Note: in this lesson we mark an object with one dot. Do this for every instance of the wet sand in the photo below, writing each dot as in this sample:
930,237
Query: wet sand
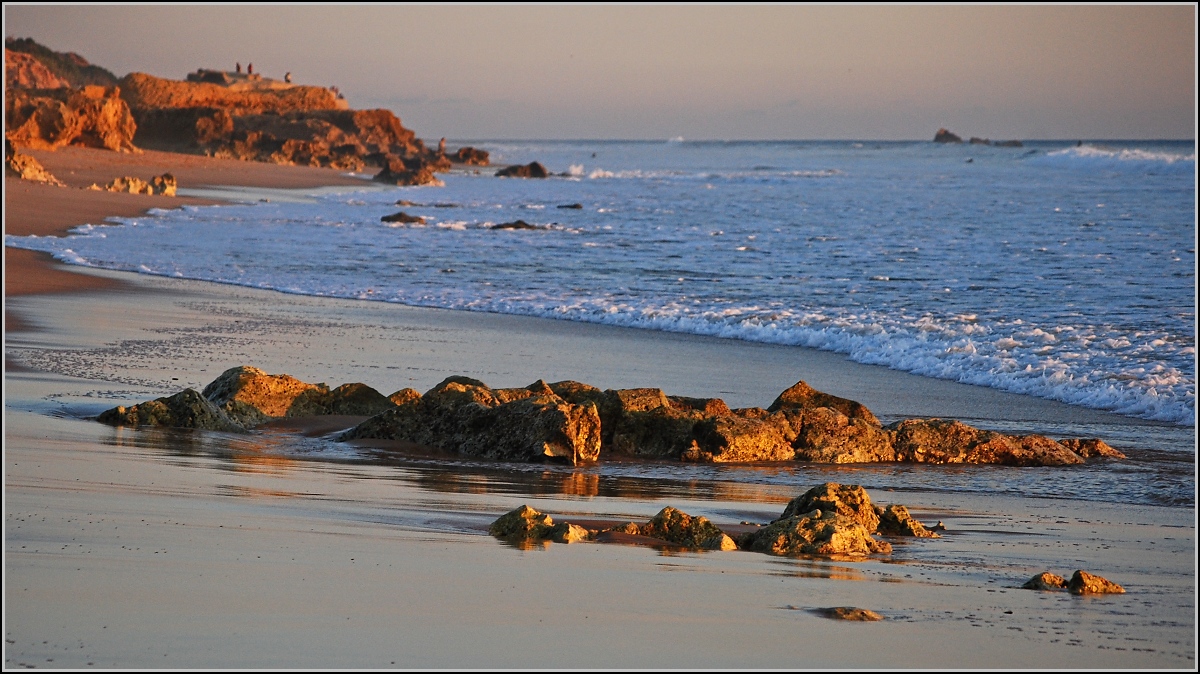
154,548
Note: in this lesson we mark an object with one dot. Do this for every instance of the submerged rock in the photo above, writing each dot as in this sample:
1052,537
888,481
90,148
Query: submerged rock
186,409
470,156
1089,448
403,217
516,224
1083,582
848,613
1045,581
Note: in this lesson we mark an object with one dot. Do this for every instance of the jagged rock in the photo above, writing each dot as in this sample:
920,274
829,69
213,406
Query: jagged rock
522,523
945,136
706,406
47,119
517,224
186,409
470,156
250,396
532,170
565,532
25,71
1089,448
165,185
675,526
532,429
25,167
355,400
464,415
1083,582
943,441
1045,581
722,543
404,396
801,395
850,501
814,533
896,520
403,217
849,613
826,435
734,439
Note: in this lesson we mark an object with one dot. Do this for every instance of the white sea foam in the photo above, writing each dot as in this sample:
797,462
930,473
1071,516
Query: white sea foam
1090,304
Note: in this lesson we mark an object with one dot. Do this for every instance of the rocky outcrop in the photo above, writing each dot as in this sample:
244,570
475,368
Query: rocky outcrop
945,441
247,397
470,156
945,136
68,67
675,526
164,184
25,167
144,91
1045,581
25,71
187,409
532,170
850,501
814,533
465,416
47,119
1083,582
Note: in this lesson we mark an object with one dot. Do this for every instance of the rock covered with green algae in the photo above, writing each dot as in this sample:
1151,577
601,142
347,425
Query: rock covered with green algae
525,523
675,526
896,520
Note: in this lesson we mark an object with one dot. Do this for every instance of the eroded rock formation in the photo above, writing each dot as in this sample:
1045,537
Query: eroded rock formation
1081,582
47,119
24,71
164,184
26,167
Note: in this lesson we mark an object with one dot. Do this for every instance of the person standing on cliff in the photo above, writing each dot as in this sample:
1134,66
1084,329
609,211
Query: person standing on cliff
249,68
442,146
287,77
239,67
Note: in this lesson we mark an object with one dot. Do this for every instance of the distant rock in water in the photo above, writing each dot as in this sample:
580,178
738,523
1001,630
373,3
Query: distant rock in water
1008,143
571,206
518,224
470,156
979,141
945,136
403,217
410,171
533,170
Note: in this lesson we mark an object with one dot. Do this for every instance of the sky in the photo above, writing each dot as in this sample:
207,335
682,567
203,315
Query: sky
700,71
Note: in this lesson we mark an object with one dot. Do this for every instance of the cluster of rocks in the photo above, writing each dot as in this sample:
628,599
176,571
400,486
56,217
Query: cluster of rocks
828,520
946,136
578,423
164,184
56,99
1081,582
531,170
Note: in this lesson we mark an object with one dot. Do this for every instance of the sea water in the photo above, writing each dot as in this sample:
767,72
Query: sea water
1056,270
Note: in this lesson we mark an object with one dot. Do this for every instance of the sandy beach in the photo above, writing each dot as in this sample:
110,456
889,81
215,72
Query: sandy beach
171,549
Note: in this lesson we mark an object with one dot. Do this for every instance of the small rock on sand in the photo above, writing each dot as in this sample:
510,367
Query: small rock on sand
848,613
1083,582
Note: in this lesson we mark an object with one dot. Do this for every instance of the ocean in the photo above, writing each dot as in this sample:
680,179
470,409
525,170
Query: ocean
1055,270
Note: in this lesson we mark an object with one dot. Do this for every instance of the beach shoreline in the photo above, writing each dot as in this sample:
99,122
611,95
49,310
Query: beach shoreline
246,523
